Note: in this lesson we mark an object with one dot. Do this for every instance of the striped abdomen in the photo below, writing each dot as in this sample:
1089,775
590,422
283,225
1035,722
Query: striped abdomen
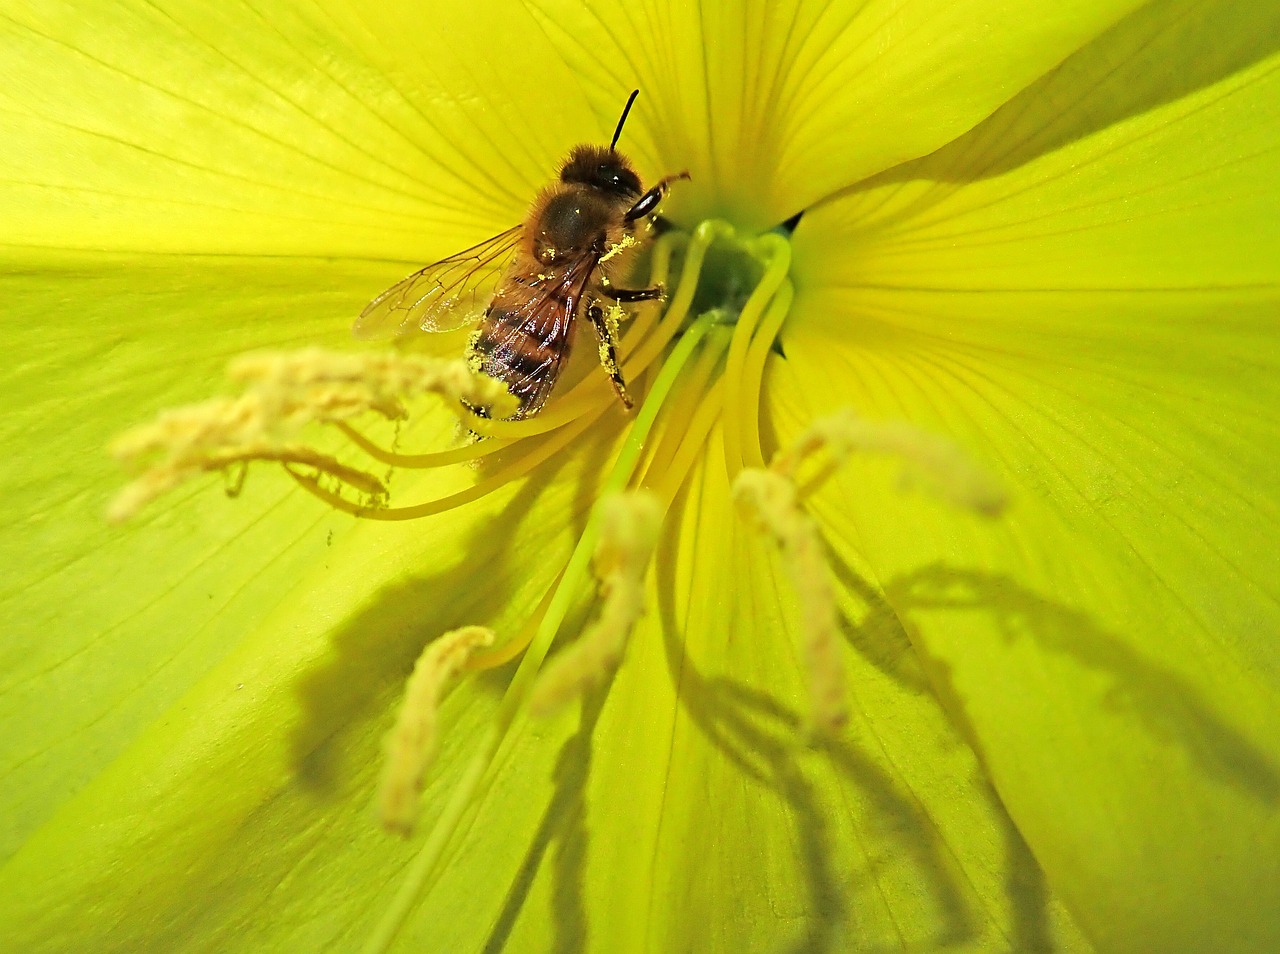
527,330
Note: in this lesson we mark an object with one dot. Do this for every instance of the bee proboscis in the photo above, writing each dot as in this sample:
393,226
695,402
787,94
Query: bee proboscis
526,287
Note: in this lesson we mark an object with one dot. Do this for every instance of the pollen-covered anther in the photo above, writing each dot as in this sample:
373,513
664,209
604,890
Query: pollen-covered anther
630,524
412,744
930,460
284,392
771,503
320,385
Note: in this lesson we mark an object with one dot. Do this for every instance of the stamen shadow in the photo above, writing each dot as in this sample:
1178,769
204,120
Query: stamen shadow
563,824
1024,884
899,815
768,741
1165,704
765,739
880,635
1162,702
374,651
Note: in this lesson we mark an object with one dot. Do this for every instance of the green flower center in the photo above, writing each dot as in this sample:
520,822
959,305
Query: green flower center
729,303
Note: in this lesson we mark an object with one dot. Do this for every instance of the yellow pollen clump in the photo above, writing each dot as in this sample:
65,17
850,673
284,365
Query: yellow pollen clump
411,744
931,460
284,392
613,318
627,241
630,524
770,500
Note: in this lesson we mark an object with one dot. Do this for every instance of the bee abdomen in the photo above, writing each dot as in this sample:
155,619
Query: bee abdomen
507,353
523,352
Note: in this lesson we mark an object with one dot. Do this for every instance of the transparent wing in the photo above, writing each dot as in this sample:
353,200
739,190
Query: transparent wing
443,296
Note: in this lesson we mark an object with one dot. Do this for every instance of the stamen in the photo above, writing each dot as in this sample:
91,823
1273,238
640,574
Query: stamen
931,460
692,441
540,452
216,435
286,391
699,385
411,745
753,373
319,385
776,251
503,653
457,455
770,500
486,750
629,527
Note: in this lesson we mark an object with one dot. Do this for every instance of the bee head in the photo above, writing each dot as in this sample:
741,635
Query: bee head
601,168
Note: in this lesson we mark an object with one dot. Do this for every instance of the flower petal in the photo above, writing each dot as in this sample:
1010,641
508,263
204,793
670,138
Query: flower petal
193,702
776,105
270,128
682,808
182,777
1084,292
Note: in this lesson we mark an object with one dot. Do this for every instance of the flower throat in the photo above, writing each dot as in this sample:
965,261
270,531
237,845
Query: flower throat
702,361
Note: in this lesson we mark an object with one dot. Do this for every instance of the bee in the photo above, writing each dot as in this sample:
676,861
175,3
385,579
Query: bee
525,287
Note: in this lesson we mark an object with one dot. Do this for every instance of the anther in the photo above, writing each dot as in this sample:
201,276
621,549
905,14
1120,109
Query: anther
770,501
630,524
411,745
930,460
286,391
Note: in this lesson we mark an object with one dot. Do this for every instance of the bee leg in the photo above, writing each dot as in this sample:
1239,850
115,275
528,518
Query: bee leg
629,295
649,201
609,353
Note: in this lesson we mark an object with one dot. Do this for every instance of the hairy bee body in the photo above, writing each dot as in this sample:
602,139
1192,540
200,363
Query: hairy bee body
559,264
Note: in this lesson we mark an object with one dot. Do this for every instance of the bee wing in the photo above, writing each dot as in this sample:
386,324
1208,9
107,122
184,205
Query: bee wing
443,296
549,313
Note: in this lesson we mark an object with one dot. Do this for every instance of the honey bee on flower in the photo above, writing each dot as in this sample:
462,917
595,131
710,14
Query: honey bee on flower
526,287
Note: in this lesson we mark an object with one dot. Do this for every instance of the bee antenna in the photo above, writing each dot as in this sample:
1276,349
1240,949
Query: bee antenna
625,109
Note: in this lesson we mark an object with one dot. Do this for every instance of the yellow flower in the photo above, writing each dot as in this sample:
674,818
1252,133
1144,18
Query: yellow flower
1045,234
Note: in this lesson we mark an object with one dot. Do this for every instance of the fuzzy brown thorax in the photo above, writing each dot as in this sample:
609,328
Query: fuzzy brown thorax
571,221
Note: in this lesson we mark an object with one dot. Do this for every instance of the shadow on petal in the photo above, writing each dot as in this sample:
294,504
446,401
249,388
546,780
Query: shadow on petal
1166,705
374,650
562,825
880,636
1025,884
767,740
1160,53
